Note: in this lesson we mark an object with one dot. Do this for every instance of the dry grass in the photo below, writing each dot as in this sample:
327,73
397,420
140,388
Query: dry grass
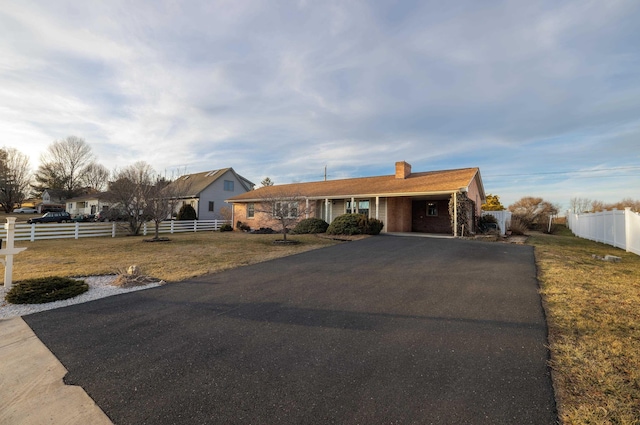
186,255
593,312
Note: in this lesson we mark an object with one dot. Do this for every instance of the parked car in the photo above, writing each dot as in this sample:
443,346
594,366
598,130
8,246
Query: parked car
52,217
84,218
25,210
115,213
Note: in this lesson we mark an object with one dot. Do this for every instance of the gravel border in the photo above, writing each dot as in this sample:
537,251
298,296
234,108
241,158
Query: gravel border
99,287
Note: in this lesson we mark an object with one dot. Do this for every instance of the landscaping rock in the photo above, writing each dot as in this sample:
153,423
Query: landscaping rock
609,258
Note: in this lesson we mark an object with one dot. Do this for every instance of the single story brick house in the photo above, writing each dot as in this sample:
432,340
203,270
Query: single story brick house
404,201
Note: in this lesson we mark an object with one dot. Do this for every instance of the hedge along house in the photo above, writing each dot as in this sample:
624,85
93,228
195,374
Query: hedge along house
207,192
445,202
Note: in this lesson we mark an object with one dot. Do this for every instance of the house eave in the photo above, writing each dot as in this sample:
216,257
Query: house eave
360,195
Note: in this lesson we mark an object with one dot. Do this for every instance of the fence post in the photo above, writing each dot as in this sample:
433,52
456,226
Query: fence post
9,252
33,232
627,229
77,230
144,229
195,226
215,224
171,231
113,229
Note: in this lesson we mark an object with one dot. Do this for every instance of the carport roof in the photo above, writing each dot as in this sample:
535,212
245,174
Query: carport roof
416,184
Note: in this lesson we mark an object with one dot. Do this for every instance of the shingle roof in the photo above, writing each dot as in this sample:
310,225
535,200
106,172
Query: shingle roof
425,183
90,196
196,183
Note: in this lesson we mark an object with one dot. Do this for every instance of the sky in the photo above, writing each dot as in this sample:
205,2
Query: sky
543,97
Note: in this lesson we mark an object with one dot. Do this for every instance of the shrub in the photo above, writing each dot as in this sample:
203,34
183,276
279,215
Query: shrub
488,224
518,226
355,224
240,225
264,231
346,224
311,225
187,212
226,228
45,290
370,226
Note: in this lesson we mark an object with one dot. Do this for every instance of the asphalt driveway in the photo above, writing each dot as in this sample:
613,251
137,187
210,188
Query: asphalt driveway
387,330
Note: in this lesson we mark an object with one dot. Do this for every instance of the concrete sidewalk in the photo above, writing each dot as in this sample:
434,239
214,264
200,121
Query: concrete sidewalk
32,390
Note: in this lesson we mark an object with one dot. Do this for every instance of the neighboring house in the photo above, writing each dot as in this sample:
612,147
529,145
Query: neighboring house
207,192
88,204
52,199
405,202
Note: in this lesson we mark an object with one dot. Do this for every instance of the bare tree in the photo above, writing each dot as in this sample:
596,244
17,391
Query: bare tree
15,178
63,163
533,211
164,197
283,207
580,205
95,176
130,191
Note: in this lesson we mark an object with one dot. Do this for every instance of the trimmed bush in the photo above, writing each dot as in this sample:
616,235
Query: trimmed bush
355,224
372,226
226,228
187,212
45,290
263,231
241,226
346,224
311,225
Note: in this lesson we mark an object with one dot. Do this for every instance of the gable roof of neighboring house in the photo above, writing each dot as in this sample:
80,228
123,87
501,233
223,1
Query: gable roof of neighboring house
55,195
414,184
101,196
194,184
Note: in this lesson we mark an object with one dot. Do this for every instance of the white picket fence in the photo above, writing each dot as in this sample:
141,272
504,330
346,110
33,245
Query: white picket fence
41,231
617,228
503,218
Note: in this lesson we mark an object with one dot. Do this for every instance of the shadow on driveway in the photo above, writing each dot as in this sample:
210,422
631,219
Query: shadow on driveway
383,330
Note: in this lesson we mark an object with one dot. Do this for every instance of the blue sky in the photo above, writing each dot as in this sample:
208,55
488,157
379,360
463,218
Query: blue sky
543,96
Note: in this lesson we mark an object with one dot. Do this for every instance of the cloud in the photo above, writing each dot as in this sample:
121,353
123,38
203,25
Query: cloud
284,89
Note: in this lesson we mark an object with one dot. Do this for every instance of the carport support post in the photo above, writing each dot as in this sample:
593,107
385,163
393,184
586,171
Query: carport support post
455,214
9,252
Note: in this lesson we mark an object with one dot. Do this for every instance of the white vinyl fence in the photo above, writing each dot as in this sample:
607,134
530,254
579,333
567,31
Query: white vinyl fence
40,231
617,228
503,217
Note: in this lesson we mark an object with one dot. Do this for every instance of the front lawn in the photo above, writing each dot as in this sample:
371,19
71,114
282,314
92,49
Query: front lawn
185,255
593,312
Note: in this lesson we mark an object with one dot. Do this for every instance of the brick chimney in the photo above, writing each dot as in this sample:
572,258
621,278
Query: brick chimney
403,170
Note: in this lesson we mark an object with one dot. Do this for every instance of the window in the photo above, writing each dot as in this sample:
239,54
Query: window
363,207
432,209
250,210
228,185
82,205
211,205
285,209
